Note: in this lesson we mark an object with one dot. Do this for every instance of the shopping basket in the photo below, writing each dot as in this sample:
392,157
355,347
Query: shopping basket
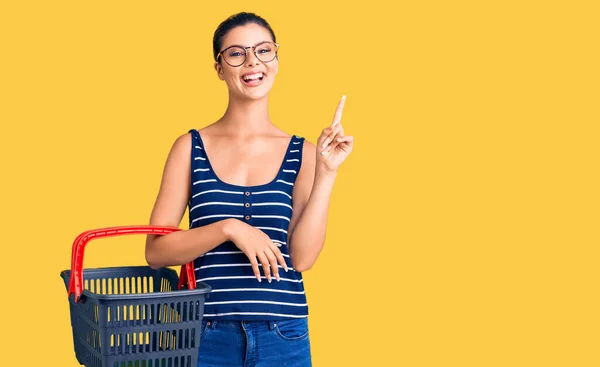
133,316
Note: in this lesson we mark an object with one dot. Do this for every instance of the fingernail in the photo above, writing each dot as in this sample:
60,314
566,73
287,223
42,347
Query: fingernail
269,279
286,269
278,279
344,97
339,139
259,280
325,143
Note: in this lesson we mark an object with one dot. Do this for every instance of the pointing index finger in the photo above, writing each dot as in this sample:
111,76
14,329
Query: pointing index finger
338,112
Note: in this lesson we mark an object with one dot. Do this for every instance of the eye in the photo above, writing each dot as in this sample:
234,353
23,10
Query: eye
236,54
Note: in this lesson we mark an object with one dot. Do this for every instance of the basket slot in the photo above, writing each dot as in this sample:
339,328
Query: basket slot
157,341
165,285
183,361
126,285
170,313
124,315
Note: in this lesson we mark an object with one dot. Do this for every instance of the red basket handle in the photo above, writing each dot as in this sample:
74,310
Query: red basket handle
76,277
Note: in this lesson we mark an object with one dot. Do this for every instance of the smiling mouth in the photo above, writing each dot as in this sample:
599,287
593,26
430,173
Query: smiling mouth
253,79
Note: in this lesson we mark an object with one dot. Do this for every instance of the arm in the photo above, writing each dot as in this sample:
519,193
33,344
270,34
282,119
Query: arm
312,192
180,247
311,197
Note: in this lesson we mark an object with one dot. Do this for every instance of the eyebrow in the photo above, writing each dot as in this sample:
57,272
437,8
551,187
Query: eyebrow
238,45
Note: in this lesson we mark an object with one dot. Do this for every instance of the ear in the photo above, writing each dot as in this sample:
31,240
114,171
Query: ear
219,70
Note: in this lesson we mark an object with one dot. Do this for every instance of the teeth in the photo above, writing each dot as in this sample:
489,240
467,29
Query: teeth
253,76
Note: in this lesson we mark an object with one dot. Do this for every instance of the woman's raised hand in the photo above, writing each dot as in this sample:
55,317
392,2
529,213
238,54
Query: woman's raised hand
333,147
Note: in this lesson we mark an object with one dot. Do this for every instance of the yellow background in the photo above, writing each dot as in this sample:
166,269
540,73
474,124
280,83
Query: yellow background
464,228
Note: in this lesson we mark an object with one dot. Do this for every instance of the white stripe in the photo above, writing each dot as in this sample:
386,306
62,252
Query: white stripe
267,204
199,147
202,169
294,151
216,203
221,266
271,216
252,313
247,277
218,216
277,241
204,181
289,170
285,182
273,192
292,160
273,229
261,302
199,158
255,290
223,253
228,265
223,191
296,142
230,253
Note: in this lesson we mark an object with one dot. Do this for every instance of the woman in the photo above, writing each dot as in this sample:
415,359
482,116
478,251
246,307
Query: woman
258,201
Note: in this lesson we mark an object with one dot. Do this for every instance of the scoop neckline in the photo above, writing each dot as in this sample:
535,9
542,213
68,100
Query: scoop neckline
253,187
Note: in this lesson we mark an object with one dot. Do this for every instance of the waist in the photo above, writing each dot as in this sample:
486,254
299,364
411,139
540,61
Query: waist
249,324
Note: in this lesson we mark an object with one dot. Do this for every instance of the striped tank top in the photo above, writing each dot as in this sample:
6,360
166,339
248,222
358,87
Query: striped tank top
236,293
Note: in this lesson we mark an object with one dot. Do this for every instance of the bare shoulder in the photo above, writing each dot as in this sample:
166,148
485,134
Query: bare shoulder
182,145
179,158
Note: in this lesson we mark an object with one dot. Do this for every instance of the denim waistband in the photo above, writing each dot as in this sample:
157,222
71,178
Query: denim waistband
240,324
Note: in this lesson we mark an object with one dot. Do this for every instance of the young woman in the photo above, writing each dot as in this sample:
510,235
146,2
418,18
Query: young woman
258,201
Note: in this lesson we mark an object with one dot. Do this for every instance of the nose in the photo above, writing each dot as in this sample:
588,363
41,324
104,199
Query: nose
251,58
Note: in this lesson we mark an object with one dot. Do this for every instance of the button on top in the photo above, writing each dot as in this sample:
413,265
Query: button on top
247,193
247,217
247,205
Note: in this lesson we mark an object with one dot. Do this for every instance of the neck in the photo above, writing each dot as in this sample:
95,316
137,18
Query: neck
246,117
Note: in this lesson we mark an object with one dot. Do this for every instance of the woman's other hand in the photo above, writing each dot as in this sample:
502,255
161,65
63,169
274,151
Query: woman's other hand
256,244
333,147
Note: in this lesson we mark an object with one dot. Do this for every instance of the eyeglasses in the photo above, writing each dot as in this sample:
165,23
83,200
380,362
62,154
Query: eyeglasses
236,55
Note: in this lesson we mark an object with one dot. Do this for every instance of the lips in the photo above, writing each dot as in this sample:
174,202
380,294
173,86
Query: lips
253,79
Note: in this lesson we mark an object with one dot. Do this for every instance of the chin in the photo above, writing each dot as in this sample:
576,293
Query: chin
254,95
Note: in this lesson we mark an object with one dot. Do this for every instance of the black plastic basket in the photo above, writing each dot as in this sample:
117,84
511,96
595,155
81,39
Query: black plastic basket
133,316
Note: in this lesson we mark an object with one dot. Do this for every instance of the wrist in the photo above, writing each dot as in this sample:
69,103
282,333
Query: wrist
229,228
323,173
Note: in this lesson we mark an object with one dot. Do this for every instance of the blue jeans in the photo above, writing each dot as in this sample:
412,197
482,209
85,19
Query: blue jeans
255,343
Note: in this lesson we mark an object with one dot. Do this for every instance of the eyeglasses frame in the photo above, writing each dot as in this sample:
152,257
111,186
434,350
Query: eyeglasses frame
246,52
